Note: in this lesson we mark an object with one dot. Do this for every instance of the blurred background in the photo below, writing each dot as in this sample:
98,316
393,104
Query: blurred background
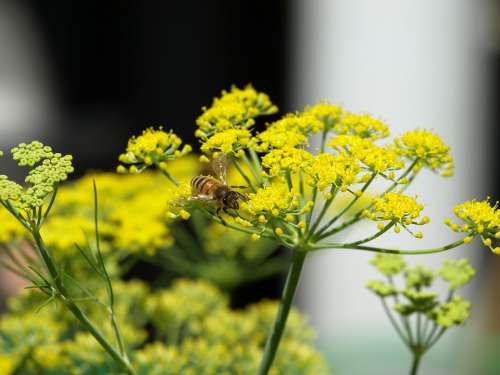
84,77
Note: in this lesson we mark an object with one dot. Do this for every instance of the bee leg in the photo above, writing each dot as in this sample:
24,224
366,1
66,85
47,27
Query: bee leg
243,197
223,222
229,213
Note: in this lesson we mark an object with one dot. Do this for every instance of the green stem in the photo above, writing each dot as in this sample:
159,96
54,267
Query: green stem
310,213
171,178
323,140
371,238
416,363
252,169
404,319
394,324
435,339
389,251
346,208
357,216
243,174
79,314
325,208
278,327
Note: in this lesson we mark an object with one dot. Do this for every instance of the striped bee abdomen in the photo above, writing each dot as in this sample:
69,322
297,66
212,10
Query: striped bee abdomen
204,185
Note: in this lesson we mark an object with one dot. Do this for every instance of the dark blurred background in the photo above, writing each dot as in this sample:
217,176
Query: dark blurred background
84,76
120,66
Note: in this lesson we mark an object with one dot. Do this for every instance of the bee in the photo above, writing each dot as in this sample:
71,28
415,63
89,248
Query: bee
217,190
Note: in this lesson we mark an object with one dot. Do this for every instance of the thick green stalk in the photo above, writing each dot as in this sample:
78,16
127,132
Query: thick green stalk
278,327
416,362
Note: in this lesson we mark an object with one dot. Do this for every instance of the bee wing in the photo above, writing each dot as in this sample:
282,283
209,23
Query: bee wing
219,166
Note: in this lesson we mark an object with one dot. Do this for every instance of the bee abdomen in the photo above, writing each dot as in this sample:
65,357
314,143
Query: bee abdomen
203,184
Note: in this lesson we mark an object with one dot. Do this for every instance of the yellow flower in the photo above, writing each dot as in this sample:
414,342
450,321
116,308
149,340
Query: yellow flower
227,141
178,200
152,147
285,159
327,169
227,115
275,138
377,159
275,197
428,148
10,229
478,218
328,114
7,364
256,103
363,126
395,207
304,123
235,109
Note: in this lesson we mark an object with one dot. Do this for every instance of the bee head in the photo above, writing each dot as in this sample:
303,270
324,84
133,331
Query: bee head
230,200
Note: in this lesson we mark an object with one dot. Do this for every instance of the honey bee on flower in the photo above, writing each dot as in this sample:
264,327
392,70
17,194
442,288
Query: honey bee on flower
217,190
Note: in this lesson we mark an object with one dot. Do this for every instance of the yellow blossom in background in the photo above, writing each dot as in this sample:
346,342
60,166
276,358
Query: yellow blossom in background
62,232
285,159
328,114
376,158
395,207
152,147
326,170
7,364
362,125
231,141
10,228
428,148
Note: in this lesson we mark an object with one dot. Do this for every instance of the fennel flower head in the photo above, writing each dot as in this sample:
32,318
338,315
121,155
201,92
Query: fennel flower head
302,194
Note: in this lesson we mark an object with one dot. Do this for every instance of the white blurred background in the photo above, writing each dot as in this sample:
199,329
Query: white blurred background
414,64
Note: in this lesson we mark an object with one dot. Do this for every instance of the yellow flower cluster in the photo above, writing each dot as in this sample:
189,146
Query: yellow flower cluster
285,159
362,125
132,211
230,141
276,137
186,302
328,114
178,199
428,148
290,131
377,159
338,170
273,200
233,110
478,217
216,340
152,147
256,103
397,208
